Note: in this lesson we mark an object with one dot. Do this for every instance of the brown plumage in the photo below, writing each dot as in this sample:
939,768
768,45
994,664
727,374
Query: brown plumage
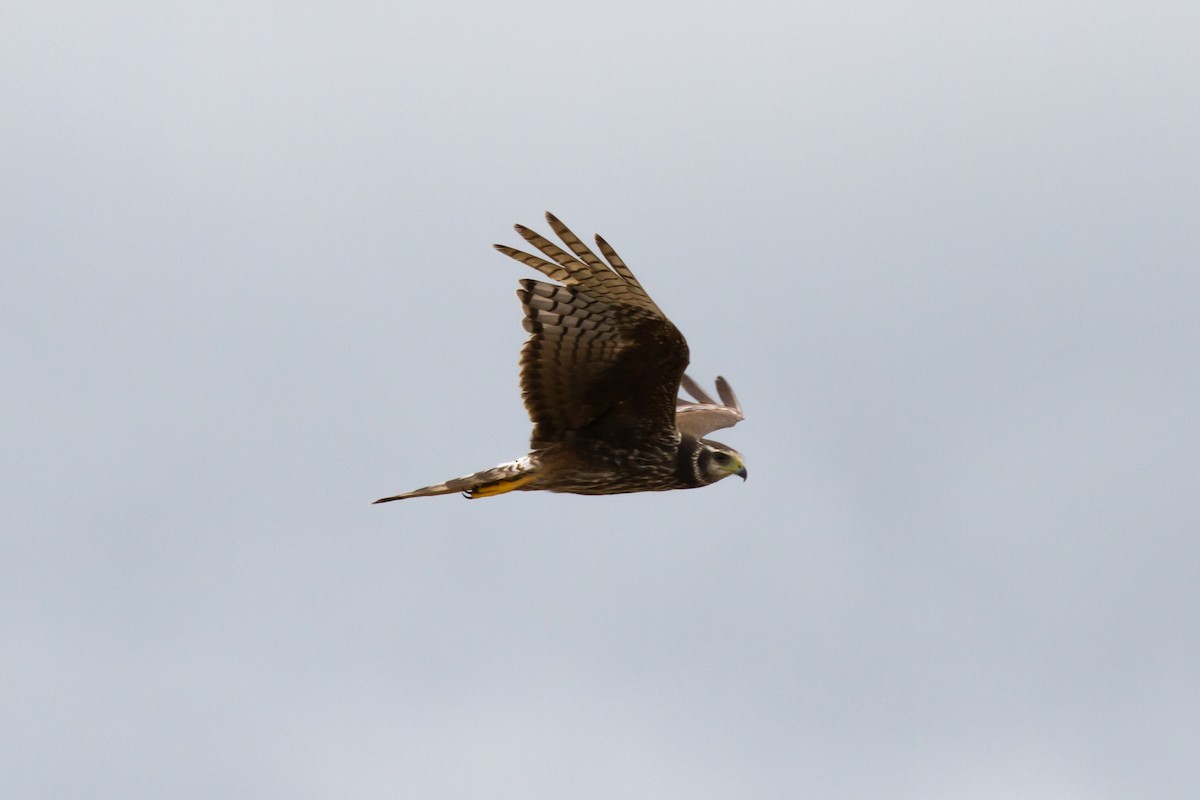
600,377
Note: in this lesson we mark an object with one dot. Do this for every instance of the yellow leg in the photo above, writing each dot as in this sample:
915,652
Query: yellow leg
500,487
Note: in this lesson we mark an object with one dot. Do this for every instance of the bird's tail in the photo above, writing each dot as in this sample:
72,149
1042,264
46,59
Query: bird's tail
497,480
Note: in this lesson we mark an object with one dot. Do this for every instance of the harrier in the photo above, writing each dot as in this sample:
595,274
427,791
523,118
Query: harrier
600,377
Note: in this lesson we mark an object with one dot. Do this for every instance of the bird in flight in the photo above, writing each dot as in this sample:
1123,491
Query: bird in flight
600,377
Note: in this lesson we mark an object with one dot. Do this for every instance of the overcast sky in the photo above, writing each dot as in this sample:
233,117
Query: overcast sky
948,254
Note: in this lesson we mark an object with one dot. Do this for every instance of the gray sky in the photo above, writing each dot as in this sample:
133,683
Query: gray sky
947,255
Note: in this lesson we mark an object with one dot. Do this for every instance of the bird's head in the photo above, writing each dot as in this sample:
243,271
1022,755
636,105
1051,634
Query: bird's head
716,461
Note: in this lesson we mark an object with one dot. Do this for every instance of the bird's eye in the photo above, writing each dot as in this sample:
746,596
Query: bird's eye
721,458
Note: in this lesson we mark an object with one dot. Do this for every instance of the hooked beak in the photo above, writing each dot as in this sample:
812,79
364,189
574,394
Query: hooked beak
741,473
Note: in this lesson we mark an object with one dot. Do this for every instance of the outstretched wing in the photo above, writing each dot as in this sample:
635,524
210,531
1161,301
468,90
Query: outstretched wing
602,360
706,415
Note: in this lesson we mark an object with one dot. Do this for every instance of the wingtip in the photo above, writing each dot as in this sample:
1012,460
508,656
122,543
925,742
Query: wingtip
691,387
559,227
528,234
726,393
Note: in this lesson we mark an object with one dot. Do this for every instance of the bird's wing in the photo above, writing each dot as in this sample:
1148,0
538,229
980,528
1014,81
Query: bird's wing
602,360
706,415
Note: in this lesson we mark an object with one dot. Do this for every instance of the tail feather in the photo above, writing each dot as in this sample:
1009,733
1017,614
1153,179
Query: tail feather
497,480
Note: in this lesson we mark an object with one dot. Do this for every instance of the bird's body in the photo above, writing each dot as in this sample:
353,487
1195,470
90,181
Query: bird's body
600,377
595,466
